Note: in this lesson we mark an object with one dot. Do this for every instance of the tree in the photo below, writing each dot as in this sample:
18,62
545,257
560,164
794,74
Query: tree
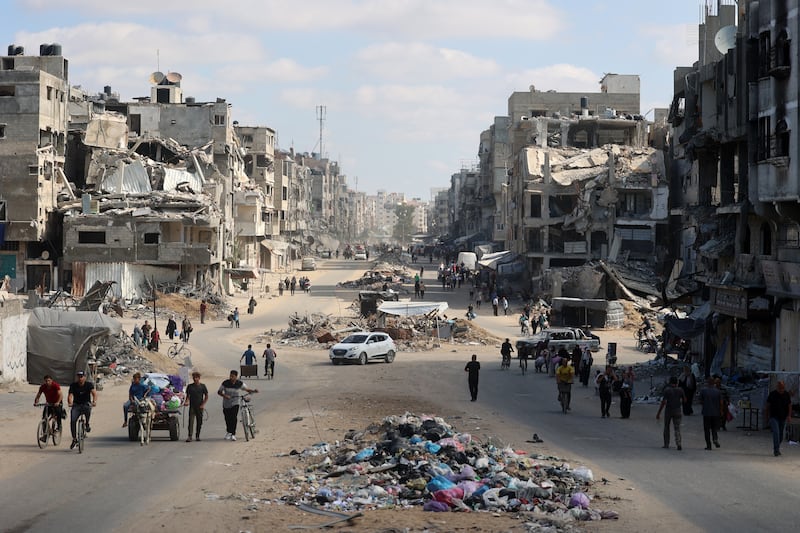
404,227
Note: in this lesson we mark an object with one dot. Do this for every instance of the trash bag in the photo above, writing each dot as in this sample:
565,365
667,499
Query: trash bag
579,499
439,483
583,474
364,454
447,495
436,507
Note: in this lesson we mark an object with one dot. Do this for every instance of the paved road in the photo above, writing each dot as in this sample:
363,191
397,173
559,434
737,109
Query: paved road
739,487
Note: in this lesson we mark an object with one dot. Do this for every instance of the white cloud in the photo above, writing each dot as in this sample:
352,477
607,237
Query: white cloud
281,70
419,61
423,19
672,45
559,77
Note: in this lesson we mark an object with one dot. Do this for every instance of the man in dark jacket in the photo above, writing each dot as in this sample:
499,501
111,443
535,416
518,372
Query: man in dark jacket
779,413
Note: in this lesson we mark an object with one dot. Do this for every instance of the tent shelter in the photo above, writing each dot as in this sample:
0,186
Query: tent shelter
59,341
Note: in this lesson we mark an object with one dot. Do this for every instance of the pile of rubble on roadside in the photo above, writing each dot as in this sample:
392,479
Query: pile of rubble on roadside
421,461
381,273
411,334
118,356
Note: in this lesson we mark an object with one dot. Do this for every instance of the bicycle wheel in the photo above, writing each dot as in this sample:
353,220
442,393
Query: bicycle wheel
55,432
41,433
172,352
246,423
80,432
185,352
252,425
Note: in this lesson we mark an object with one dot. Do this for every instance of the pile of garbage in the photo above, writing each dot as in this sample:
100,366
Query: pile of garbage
421,461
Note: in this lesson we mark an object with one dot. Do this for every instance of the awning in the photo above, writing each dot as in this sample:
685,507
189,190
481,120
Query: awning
461,240
492,260
412,308
686,328
589,303
276,247
242,273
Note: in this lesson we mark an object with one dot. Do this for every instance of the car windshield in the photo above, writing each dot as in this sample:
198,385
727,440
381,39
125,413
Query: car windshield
355,339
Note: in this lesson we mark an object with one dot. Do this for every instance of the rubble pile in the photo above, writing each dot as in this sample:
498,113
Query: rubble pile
411,334
421,461
381,274
118,356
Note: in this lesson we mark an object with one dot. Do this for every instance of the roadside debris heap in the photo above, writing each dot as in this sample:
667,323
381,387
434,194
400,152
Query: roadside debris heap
412,460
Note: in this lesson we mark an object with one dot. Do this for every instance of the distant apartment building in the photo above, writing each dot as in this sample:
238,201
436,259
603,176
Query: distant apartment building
34,94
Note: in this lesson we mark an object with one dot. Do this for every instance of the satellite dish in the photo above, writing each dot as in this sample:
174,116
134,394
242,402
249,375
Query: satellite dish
174,77
725,39
156,77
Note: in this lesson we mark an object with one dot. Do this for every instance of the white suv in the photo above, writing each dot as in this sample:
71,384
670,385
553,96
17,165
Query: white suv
362,347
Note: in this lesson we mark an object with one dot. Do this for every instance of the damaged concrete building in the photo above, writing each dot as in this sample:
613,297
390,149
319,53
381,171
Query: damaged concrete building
33,132
737,183
159,178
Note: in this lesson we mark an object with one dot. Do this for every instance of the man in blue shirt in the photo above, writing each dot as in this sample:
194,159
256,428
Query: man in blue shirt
249,356
137,391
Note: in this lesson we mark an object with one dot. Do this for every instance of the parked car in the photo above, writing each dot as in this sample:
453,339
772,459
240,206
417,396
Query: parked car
360,256
308,263
556,338
362,347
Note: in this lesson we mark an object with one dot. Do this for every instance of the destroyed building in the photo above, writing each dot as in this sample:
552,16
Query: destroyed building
736,184
33,133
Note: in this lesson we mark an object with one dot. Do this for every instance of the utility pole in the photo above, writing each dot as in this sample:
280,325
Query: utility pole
322,112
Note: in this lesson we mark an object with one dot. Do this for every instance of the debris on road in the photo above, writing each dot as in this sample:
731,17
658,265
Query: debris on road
421,461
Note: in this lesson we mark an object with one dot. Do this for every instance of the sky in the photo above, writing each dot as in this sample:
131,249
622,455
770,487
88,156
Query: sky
407,85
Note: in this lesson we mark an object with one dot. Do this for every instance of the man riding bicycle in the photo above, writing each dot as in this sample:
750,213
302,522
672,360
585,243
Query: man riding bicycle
505,351
81,398
53,397
565,375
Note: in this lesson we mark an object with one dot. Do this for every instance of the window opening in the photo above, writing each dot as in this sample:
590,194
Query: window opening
91,237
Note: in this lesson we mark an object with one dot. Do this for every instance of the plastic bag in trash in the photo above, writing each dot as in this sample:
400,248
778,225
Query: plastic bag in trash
437,507
583,474
364,454
579,499
174,403
492,499
481,463
439,483
447,495
432,447
469,487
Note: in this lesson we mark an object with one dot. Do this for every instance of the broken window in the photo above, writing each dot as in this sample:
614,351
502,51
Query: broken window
8,90
8,63
151,238
33,170
262,161
3,215
285,193
283,214
764,51
561,205
162,96
782,139
789,236
91,237
219,120
781,61
135,123
764,136
536,206
766,239
3,131
247,138
49,93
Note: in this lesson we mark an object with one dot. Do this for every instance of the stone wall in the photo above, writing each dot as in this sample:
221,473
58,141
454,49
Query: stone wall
13,341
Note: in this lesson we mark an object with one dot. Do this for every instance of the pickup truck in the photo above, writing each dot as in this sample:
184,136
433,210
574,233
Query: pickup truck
557,338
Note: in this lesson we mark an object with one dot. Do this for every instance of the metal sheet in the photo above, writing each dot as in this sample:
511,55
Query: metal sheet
129,277
175,176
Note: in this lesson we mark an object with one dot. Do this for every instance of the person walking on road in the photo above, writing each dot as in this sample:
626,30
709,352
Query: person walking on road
711,398
673,400
230,390
504,302
203,309
249,356
495,303
235,317
186,327
474,368
196,398
421,290
603,382
269,356
688,383
778,411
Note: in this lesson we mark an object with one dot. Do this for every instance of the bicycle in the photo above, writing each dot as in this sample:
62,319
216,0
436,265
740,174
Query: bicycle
270,370
505,364
246,417
80,429
178,348
523,364
47,429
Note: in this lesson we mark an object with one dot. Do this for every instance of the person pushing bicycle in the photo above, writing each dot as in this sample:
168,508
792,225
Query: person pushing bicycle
565,375
81,398
53,397
505,351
